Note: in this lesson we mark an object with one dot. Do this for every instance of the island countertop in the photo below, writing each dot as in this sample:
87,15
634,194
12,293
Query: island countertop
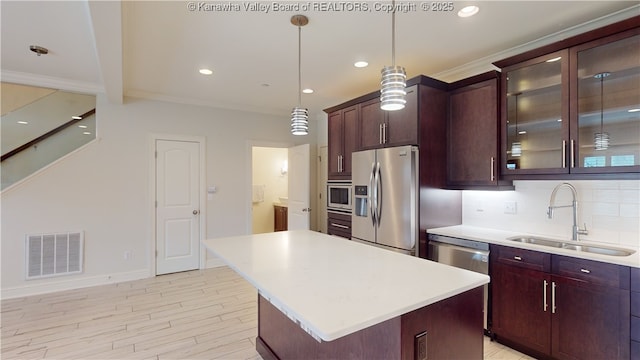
333,287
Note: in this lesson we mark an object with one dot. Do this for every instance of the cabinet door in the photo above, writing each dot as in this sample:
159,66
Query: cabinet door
372,118
535,116
402,125
587,321
335,143
473,135
350,118
606,116
518,306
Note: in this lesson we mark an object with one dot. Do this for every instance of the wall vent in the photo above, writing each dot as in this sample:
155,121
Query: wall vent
50,255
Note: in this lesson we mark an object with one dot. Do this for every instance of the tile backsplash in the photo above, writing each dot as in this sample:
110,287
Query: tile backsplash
610,209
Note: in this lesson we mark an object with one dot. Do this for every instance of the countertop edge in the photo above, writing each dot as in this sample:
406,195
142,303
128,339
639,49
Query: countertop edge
498,237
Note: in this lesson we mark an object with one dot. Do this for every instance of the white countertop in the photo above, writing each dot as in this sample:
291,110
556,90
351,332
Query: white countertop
499,237
332,286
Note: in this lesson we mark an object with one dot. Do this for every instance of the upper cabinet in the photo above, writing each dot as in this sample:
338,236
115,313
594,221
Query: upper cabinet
379,128
535,113
606,127
573,110
343,130
473,132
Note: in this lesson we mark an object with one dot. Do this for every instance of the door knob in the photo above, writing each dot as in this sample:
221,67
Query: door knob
195,212
306,210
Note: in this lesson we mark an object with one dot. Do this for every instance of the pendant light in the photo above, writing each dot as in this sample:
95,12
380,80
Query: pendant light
516,146
299,115
394,78
601,139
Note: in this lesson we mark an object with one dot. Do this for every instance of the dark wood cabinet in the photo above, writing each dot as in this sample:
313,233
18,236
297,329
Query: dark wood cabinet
339,224
473,130
558,103
558,306
379,128
343,140
280,218
635,313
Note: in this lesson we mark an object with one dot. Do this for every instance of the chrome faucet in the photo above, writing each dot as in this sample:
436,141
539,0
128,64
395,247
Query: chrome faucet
574,204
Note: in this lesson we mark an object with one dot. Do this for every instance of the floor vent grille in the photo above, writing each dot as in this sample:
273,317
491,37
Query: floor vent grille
50,255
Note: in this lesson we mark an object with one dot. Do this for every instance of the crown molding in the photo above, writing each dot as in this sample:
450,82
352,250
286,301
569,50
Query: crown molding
485,64
51,82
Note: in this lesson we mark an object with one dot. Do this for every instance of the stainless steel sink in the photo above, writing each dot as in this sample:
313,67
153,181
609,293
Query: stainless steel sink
598,250
595,249
536,241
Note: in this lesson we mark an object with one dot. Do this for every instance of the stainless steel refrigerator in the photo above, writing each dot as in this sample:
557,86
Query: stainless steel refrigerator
385,191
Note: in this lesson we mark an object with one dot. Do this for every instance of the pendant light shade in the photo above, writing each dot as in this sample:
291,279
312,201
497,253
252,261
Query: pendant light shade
601,139
393,93
299,115
394,78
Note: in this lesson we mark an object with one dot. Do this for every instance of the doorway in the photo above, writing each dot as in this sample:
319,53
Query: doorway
270,181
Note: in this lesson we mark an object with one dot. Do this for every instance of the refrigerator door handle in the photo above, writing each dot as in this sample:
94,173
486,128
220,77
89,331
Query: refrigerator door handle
370,195
378,194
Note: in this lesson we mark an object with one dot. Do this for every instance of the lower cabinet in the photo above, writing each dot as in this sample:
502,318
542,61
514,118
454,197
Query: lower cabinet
339,224
635,313
552,306
280,218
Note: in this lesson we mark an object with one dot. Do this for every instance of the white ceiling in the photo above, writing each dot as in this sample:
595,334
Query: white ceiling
153,49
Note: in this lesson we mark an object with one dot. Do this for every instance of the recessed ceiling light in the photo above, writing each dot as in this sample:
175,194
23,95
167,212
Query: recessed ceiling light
308,91
76,117
559,120
206,71
23,122
82,126
633,110
361,64
86,133
555,59
468,11
522,132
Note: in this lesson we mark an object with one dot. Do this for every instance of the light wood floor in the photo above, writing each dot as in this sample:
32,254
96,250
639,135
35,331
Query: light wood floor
208,314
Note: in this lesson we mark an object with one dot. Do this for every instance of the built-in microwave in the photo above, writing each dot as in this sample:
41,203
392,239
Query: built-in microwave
339,196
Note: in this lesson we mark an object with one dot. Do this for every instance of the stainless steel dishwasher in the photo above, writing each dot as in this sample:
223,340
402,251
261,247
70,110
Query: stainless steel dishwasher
465,254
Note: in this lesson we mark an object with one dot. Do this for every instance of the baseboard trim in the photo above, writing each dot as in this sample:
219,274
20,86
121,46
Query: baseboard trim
215,262
71,283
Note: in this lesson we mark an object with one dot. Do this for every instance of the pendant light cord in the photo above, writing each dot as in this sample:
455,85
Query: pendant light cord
601,103
299,66
393,34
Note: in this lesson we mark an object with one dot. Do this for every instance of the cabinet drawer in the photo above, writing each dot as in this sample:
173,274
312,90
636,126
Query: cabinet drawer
635,303
635,328
635,350
593,272
523,258
635,279
339,224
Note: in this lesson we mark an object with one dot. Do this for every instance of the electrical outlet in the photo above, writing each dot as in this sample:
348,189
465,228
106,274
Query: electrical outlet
510,207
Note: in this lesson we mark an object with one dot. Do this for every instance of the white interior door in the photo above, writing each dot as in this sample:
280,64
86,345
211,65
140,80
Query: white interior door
299,187
177,207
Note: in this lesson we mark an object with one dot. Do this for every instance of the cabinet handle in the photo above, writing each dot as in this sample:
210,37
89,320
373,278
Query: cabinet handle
544,296
339,226
585,271
517,258
384,133
493,160
380,133
564,154
573,160
553,297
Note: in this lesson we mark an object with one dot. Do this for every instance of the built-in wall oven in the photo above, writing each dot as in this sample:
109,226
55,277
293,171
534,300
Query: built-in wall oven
339,196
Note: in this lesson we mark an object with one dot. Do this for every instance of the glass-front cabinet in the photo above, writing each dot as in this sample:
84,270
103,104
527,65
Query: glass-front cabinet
606,127
536,114
574,111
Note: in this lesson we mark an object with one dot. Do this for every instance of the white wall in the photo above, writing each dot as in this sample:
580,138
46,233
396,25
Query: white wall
610,209
267,165
104,189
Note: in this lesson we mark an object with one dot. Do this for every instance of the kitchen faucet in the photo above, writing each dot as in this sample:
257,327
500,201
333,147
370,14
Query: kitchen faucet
574,204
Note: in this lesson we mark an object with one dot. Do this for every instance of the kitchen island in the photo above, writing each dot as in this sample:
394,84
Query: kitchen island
322,296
